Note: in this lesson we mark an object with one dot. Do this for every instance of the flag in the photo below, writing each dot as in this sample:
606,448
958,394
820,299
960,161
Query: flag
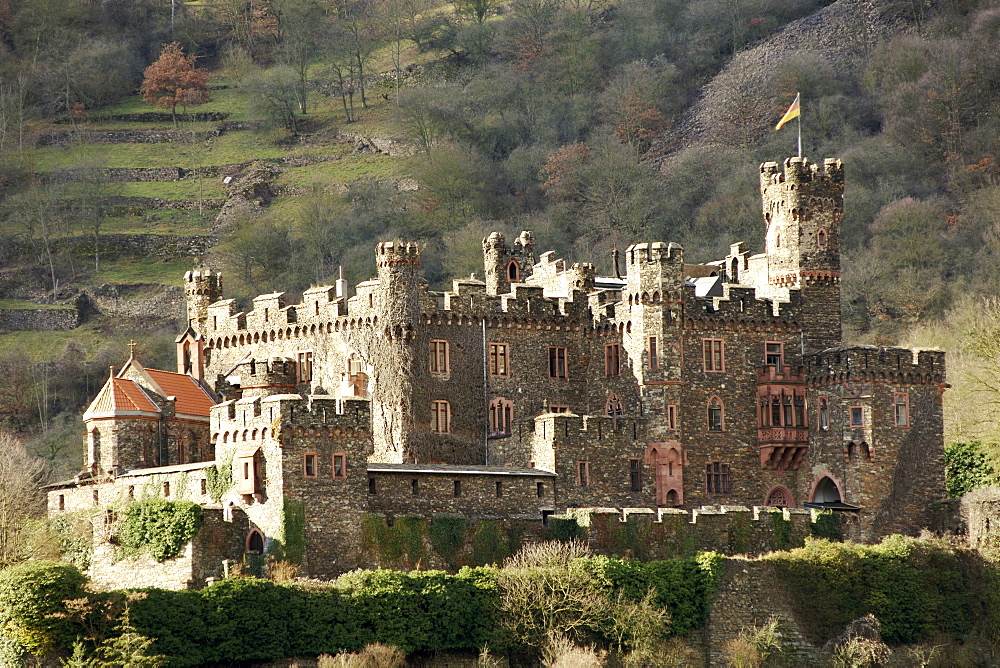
793,112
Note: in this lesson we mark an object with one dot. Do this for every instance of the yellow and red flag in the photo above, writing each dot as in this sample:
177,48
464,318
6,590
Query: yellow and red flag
793,112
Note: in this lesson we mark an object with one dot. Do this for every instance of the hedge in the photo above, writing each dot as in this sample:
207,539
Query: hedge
918,589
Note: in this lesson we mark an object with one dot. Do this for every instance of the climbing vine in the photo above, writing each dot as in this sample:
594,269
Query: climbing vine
782,530
158,526
295,530
219,478
826,525
447,534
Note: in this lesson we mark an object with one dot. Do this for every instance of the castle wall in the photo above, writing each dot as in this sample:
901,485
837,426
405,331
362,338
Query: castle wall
894,472
472,494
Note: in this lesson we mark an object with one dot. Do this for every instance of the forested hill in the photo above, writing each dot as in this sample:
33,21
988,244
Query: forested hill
327,126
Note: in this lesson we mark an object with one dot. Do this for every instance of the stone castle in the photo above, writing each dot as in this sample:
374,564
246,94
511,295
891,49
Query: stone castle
542,390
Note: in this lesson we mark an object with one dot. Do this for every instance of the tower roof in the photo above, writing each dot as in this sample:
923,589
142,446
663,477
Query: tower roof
121,397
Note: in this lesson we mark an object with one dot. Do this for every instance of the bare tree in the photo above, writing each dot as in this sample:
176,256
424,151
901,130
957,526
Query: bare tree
20,497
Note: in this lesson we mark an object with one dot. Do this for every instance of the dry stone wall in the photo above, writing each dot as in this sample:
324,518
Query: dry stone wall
21,320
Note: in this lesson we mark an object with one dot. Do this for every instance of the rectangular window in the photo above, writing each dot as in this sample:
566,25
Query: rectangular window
415,486
305,366
501,415
857,416
166,489
62,502
204,489
901,408
654,354
339,466
774,355
540,489
613,359
557,362
717,478
559,409
635,474
309,465
671,417
439,357
713,355
441,417
371,487
458,489
499,489
583,473
498,360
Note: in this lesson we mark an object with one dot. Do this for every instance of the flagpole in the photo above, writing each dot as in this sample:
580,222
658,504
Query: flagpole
799,119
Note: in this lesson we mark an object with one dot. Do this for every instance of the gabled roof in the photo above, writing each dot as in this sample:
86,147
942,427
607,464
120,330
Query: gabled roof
121,397
192,397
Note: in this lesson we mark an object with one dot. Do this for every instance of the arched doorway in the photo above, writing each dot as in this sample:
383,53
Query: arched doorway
826,491
668,466
255,542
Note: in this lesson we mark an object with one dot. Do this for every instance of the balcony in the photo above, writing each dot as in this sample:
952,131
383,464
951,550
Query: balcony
782,448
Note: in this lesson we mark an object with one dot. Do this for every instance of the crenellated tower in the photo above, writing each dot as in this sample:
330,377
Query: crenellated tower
388,347
803,206
201,288
505,265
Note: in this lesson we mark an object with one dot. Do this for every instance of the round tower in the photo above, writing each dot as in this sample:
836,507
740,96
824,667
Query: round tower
201,288
398,264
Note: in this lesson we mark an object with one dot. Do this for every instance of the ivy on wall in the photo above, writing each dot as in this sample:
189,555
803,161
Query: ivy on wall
219,478
294,516
400,545
826,525
158,526
447,535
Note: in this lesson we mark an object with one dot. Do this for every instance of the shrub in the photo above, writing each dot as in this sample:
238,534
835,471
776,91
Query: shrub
162,527
31,602
374,655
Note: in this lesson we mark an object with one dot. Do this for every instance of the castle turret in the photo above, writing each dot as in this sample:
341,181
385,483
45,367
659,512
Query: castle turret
803,206
388,347
201,288
505,265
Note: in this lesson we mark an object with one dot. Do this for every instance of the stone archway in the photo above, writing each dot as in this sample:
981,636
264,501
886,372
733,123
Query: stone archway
826,490
667,461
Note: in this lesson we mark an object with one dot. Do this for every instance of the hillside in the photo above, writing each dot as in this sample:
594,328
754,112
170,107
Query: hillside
591,123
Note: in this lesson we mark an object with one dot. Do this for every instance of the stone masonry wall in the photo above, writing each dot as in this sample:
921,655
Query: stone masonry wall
21,320
749,596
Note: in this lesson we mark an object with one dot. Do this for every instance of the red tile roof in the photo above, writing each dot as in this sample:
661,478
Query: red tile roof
121,395
192,399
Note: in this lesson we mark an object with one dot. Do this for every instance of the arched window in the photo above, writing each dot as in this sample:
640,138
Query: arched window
821,238
501,413
715,414
735,275
779,497
614,408
513,272
255,542
824,413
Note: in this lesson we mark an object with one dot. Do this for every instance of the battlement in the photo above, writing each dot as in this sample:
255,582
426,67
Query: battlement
258,418
200,281
391,253
564,428
799,171
265,376
897,365
654,251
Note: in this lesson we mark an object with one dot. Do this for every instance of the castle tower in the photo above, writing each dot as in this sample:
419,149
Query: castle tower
505,265
388,348
201,288
802,207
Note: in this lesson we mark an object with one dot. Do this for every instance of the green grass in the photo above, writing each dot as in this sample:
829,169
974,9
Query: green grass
229,100
344,171
44,346
24,304
145,270
161,222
